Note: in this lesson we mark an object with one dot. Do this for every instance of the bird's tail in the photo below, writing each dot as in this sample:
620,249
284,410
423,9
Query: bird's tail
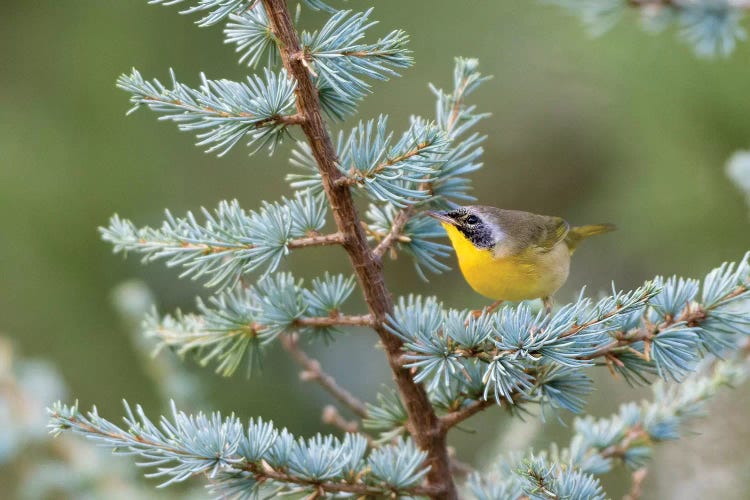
577,234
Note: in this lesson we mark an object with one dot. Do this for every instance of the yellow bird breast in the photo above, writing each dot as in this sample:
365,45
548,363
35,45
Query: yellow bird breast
530,275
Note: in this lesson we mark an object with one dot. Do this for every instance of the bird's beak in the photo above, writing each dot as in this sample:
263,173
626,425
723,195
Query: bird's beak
440,216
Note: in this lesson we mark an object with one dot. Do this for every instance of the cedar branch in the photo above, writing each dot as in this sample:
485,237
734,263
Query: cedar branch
307,241
357,176
312,371
423,422
454,418
261,471
403,216
692,315
295,119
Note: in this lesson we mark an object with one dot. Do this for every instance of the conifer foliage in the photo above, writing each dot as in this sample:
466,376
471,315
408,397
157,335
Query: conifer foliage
710,27
448,364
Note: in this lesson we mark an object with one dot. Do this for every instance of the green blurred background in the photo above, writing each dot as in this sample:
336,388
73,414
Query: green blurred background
629,128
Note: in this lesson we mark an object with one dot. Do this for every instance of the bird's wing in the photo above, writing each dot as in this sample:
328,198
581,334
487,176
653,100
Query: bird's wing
549,232
527,231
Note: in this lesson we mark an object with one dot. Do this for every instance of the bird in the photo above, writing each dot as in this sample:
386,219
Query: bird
510,255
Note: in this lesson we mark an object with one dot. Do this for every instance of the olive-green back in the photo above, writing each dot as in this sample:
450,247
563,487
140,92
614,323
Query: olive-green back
524,230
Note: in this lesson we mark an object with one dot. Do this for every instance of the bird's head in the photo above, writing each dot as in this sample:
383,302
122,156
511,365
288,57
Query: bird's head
472,223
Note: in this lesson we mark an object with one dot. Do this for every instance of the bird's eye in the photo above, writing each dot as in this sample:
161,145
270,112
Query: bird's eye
472,219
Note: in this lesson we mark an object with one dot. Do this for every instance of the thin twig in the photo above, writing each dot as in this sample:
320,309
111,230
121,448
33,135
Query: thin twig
618,450
331,416
353,179
312,371
337,320
691,316
252,329
636,485
266,472
456,111
393,235
317,240
307,241
295,119
454,418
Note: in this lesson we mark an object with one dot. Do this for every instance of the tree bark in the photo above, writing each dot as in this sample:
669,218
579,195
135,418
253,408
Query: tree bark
423,424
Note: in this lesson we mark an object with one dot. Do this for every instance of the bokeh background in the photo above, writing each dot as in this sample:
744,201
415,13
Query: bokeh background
629,128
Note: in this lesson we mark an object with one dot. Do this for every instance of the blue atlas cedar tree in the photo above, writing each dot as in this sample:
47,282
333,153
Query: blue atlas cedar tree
448,365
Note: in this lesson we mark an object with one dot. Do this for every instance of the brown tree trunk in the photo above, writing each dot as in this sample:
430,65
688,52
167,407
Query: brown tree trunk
424,425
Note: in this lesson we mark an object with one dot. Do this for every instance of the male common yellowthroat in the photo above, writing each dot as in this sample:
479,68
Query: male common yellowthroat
513,255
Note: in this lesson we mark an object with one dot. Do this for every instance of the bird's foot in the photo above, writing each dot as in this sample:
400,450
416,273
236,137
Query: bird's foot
547,301
476,313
